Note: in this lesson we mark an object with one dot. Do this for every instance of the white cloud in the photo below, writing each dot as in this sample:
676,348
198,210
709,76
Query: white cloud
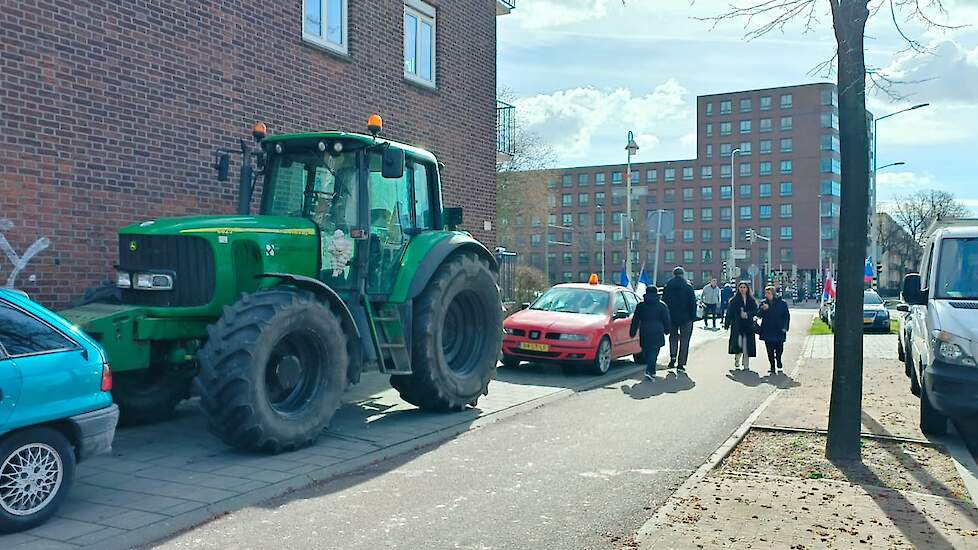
539,14
948,72
571,119
890,184
688,139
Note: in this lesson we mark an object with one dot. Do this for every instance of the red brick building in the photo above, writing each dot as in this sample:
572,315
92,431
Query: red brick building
788,142
110,111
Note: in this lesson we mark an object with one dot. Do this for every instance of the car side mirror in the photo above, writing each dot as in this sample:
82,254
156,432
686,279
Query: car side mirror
621,314
392,165
525,305
912,293
903,308
452,217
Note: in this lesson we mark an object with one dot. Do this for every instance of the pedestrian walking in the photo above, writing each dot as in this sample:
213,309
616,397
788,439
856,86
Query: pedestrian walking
681,300
651,322
740,321
726,293
775,319
711,303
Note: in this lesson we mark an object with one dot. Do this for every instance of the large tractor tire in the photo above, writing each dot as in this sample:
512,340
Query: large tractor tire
273,370
456,337
148,395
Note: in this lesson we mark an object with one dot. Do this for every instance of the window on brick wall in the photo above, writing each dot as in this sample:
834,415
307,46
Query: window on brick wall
324,24
419,42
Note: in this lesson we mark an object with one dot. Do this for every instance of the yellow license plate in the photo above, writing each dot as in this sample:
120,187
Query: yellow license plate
868,321
530,346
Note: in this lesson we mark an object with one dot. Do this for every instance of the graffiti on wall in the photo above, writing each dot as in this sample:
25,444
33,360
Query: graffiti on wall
18,261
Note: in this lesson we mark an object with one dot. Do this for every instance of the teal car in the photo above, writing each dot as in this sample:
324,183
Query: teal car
55,409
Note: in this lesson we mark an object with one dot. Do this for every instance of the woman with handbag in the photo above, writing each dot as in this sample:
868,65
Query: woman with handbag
740,321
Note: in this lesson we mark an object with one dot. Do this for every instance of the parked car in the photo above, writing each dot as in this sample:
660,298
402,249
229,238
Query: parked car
55,409
903,336
823,310
875,314
574,323
943,301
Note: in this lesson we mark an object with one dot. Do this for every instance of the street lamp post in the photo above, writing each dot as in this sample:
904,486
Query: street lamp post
872,234
604,238
821,273
733,212
631,148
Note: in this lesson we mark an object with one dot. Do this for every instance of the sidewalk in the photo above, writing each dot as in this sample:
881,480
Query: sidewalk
775,489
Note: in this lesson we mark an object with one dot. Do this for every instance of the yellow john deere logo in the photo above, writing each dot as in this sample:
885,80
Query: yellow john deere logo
133,246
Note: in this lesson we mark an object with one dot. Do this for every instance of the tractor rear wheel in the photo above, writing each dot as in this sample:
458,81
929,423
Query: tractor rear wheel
148,395
456,337
273,370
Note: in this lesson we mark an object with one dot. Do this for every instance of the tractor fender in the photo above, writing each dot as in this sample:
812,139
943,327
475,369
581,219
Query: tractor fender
347,320
437,255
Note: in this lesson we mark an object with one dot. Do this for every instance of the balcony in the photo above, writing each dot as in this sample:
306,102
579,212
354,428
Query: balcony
505,128
503,7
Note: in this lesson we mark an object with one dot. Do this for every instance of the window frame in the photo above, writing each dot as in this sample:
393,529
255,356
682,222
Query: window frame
423,13
320,41
5,354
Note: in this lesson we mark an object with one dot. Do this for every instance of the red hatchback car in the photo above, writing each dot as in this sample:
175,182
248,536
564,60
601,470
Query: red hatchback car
573,323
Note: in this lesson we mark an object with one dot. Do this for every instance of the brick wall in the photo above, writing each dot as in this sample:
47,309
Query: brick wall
110,111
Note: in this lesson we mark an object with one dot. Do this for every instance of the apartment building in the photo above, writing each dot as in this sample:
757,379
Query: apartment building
773,151
111,112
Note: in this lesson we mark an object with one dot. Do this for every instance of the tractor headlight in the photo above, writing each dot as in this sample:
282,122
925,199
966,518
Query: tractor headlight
574,337
952,348
122,280
153,281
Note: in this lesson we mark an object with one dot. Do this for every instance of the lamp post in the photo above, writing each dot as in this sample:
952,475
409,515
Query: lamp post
733,212
821,273
872,233
604,238
901,163
632,149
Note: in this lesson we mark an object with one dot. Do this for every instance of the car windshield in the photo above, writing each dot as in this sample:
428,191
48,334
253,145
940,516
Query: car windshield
313,184
573,300
957,270
871,299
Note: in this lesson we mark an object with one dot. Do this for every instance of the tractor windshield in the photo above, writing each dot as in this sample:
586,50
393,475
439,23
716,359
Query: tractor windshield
315,185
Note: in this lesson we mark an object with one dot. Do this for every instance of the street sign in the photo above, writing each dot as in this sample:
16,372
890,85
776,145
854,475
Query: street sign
740,254
753,270
660,221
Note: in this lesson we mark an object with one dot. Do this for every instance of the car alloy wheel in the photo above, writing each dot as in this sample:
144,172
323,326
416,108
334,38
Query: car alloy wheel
30,478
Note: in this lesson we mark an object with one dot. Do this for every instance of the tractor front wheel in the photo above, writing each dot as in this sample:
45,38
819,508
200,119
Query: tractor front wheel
273,371
456,337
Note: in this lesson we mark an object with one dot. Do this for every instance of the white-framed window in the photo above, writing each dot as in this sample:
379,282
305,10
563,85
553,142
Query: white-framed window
324,23
419,42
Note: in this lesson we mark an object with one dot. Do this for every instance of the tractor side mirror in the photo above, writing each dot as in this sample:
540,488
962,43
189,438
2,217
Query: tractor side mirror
222,163
392,166
912,293
452,217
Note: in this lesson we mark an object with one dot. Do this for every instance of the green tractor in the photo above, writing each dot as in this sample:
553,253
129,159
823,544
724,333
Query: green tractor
352,263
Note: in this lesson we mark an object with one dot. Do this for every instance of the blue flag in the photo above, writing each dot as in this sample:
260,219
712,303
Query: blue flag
868,274
623,281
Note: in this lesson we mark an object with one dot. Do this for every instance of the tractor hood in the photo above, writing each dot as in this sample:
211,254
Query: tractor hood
223,225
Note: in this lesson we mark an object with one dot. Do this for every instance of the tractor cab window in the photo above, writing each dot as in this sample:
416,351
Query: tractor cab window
391,224
315,185
423,218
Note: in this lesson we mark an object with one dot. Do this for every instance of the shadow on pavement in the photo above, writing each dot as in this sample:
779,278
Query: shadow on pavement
752,378
672,383
574,377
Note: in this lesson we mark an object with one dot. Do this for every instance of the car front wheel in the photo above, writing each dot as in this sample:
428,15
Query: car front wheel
37,467
602,357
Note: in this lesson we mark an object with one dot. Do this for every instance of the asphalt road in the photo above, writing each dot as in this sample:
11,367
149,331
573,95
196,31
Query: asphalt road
578,473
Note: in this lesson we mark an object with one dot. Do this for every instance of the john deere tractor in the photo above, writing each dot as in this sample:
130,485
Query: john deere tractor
352,263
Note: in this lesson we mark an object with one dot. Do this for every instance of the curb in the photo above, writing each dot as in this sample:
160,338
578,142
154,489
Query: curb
661,515
964,461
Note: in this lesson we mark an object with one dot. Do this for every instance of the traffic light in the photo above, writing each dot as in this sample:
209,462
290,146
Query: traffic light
749,235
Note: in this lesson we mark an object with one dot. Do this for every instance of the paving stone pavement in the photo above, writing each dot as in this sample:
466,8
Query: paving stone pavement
169,476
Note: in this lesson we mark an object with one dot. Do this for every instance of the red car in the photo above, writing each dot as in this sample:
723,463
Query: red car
574,323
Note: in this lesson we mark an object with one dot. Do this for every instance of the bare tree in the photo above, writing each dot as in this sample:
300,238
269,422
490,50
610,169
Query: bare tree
849,18
530,282
915,212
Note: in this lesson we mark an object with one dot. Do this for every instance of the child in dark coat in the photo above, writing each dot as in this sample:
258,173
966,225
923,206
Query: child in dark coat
651,322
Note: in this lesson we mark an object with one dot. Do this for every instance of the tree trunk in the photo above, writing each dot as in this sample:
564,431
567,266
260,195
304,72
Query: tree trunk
845,408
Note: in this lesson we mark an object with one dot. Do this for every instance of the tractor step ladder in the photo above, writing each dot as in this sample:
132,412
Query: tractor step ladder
394,353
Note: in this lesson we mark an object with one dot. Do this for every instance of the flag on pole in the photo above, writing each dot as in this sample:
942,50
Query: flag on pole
868,273
643,283
829,291
623,280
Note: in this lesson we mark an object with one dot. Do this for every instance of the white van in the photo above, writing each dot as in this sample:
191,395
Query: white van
943,300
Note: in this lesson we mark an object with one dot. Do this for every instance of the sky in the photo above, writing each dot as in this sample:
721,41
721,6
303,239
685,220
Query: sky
583,72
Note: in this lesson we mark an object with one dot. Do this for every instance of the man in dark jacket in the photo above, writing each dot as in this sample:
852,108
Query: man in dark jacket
681,300
775,319
726,293
651,322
